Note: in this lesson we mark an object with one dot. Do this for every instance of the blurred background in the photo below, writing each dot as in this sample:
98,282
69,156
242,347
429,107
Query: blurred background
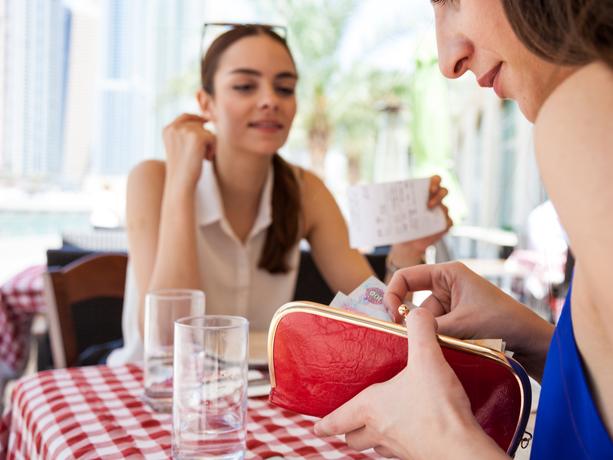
86,87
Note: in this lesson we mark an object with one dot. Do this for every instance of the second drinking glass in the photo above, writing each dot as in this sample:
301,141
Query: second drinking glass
162,308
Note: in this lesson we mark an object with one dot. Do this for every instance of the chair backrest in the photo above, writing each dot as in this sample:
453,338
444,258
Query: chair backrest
85,301
310,285
57,258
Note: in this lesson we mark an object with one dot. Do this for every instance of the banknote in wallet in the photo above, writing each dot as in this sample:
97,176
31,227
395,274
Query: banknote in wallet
366,299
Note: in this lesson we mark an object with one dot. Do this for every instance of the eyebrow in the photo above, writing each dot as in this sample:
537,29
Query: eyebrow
246,71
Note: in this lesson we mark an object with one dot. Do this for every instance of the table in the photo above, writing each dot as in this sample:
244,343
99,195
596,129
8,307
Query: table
21,297
96,412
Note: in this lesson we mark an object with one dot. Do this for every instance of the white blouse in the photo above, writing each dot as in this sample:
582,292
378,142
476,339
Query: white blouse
229,271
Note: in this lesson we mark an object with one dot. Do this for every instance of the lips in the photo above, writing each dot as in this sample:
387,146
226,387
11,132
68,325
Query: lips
266,125
491,80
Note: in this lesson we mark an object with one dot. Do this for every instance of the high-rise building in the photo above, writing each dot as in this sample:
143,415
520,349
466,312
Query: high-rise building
35,49
2,82
175,33
148,49
121,123
87,85
83,70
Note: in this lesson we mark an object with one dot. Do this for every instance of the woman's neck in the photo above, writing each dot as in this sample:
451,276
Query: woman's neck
241,177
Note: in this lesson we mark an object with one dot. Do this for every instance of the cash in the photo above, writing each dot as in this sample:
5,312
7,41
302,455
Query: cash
366,299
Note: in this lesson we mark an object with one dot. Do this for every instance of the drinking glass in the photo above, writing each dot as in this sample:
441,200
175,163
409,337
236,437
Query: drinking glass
210,387
162,308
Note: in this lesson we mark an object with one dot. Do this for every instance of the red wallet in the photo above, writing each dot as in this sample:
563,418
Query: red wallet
319,357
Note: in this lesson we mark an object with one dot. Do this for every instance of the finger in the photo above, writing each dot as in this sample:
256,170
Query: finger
434,305
446,320
436,198
394,313
410,279
347,418
188,117
424,348
435,182
361,439
449,222
384,452
447,217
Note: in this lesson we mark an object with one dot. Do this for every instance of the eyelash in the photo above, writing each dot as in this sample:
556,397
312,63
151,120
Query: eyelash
284,91
243,88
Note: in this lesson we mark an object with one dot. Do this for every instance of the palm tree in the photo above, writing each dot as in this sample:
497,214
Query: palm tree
338,104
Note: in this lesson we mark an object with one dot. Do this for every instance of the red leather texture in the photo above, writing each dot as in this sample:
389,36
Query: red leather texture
320,363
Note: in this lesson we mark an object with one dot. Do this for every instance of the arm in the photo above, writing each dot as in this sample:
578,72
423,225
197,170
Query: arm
162,252
574,144
342,267
161,213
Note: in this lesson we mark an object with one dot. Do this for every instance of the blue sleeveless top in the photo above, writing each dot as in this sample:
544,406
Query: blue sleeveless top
568,425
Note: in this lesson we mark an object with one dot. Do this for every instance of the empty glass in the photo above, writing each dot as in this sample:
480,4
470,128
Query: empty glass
162,308
210,387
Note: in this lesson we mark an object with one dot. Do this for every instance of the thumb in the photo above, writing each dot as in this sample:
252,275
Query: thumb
421,334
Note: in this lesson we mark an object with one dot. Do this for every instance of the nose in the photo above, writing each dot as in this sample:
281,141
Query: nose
269,99
455,51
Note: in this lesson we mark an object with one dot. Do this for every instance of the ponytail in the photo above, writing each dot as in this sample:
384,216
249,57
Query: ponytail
282,234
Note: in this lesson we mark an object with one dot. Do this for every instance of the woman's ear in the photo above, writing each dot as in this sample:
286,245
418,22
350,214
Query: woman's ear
205,101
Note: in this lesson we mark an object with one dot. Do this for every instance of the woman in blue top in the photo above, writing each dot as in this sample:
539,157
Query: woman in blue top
555,58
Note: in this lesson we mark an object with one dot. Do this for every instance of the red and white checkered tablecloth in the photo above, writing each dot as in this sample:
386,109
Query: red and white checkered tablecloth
96,412
21,298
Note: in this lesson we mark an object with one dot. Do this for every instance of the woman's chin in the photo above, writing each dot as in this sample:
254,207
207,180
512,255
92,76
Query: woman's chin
528,109
264,150
266,147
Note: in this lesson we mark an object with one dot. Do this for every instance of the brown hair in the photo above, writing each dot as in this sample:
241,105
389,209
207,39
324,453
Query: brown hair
282,234
567,32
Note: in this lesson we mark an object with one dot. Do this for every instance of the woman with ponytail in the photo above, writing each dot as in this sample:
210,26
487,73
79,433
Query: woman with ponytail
225,213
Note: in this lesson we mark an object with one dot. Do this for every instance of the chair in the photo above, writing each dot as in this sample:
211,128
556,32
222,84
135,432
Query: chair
85,302
310,284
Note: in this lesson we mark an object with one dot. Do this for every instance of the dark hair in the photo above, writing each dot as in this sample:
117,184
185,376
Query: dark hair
567,32
282,234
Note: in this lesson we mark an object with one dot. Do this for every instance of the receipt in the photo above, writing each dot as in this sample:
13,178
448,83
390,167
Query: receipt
392,212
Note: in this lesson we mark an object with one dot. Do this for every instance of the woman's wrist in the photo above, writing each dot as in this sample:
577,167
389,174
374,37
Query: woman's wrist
178,192
531,350
179,181
475,443
403,257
